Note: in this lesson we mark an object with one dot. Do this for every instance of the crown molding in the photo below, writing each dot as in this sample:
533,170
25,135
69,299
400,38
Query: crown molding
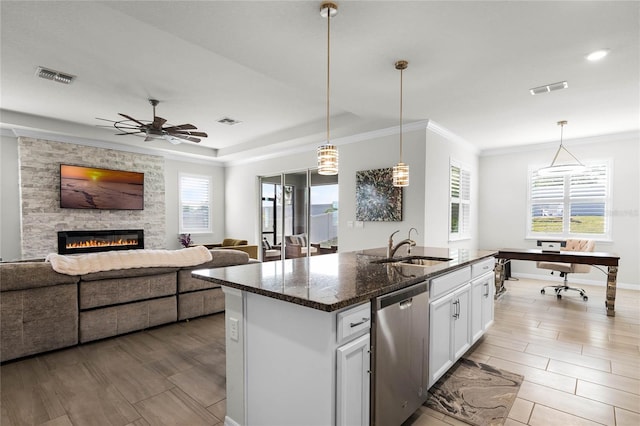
632,135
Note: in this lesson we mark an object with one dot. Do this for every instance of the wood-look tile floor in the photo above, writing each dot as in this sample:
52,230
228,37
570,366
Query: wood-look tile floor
580,366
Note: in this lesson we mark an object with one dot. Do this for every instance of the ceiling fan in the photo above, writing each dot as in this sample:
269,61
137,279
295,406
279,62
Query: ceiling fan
154,129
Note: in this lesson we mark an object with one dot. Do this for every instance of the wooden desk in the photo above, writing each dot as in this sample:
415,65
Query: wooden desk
587,258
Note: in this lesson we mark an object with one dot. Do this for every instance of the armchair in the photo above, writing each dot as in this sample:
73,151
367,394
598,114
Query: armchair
567,268
296,246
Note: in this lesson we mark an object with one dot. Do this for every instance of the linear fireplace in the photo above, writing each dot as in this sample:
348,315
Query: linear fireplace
71,242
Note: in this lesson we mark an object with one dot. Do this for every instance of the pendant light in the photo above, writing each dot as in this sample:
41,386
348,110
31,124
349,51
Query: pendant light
401,170
328,153
559,169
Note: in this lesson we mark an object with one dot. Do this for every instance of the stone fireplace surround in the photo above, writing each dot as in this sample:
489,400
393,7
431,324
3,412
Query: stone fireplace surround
41,215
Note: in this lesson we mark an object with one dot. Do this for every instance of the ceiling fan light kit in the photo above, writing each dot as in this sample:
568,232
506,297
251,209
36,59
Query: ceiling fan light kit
327,154
562,169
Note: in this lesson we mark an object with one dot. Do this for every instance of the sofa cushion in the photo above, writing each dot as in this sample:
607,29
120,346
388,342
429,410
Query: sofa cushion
25,275
220,258
115,291
126,273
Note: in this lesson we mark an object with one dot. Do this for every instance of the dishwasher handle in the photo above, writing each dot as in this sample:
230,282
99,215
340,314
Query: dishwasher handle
401,296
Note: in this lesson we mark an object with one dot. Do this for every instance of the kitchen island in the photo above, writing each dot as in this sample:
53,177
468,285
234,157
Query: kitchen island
298,331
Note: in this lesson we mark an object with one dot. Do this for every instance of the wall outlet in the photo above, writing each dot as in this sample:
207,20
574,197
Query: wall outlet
233,329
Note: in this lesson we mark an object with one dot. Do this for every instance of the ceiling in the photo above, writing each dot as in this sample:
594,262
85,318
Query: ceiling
471,65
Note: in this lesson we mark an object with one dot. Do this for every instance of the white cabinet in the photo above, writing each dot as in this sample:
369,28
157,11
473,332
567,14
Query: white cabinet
352,382
460,311
449,335
460,321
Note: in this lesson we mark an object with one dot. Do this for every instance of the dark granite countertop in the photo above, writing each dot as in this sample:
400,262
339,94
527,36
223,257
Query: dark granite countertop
335,281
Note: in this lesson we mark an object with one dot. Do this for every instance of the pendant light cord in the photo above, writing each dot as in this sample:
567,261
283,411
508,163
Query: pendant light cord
401,71
328,64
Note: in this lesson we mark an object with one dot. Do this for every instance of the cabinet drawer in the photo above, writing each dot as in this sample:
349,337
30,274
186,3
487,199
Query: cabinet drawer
354,322
444,284
482,267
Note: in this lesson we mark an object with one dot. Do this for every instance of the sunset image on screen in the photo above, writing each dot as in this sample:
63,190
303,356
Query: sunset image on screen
93,188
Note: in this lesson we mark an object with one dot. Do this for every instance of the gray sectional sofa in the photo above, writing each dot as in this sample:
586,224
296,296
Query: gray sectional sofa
42,310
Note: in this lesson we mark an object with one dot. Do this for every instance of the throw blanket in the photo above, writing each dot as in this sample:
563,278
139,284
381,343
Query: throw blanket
126,259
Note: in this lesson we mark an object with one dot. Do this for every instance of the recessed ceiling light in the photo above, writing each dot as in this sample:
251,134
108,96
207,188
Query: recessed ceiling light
49,74
597,55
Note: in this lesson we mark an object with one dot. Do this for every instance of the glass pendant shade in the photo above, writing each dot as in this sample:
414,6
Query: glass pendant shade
327,159
557,168
401,174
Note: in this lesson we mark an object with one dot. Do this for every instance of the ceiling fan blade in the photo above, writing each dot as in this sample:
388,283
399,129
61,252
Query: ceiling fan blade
186,133
131,118
158,122
128,133
105,119
181,127
190,139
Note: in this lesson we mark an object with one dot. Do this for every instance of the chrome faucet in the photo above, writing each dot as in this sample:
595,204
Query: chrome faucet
390,244
392,249
409,237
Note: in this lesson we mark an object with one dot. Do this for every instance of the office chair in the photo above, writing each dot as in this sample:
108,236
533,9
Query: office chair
568,268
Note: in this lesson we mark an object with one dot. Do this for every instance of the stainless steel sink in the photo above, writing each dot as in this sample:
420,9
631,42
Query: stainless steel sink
414,260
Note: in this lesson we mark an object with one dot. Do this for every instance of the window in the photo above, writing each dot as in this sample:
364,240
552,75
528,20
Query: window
195,203
573,206
460,202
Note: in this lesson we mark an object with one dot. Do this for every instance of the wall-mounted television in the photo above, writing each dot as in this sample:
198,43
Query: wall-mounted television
105,189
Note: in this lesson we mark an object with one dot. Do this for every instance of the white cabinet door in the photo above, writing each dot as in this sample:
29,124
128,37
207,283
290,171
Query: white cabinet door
440,333
461,321
488,289
477,292
353,366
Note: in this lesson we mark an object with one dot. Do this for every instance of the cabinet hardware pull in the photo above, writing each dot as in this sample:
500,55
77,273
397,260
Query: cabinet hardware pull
487,293
355,324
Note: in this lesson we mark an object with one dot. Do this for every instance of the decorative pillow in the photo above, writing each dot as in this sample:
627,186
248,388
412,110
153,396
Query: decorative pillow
265,244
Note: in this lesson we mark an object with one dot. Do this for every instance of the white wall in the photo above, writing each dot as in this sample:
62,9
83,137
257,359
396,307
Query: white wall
172,168
242,206
10,239
503,203
439,152
9,199
425,200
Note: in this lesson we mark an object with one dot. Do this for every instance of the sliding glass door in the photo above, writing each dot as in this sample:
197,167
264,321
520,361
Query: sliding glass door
299,214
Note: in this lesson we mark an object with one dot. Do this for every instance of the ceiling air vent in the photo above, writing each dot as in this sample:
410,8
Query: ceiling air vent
229,121
549,88
60,77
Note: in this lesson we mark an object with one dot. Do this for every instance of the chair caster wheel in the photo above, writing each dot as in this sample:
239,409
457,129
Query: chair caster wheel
559,296
542,291
585,298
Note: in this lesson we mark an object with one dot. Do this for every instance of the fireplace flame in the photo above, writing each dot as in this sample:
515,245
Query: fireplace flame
101,243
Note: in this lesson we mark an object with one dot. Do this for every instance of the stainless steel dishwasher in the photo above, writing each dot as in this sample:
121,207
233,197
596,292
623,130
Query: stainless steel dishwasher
401,354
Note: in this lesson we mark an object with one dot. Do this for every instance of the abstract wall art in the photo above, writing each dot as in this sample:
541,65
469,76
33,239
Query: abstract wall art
377,200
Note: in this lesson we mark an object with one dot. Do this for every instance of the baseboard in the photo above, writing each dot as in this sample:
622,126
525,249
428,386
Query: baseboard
572,280
228,421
